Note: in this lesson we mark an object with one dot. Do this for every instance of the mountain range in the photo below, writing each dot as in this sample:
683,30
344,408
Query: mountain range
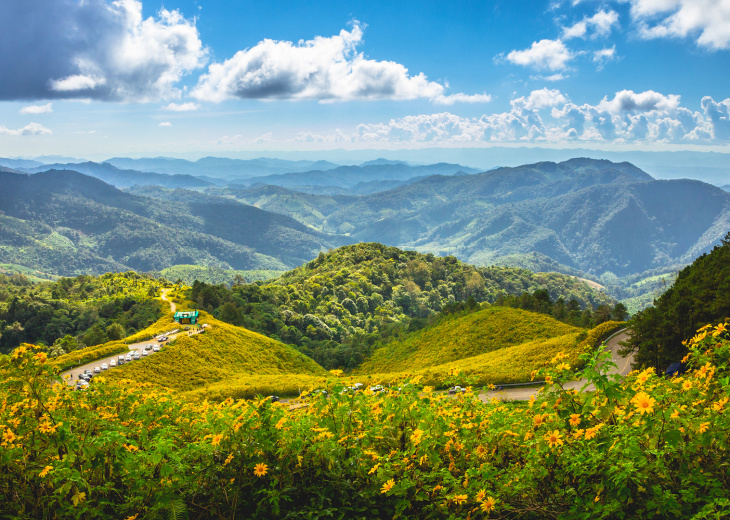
68,223
596,217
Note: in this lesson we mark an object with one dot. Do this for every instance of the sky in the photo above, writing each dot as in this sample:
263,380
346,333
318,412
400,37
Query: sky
102,78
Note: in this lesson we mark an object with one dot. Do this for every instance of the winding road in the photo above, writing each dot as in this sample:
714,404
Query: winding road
622,368
74,372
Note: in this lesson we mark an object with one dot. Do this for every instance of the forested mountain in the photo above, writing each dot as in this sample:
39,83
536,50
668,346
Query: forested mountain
338,306
68,223
699,296
125,178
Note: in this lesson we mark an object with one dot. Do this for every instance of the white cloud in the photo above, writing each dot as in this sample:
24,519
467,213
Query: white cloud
708,21
462,98
547,116
326,69
98,49
539,99
550,55
77,82
29,129
182,107
165,123
601,24
552,78
604,55
628,100
37,109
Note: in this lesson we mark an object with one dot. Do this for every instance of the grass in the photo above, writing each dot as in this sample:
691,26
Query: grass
459,337
220,356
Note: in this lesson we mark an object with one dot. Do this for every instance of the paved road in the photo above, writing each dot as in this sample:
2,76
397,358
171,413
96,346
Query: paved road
74,372
623,367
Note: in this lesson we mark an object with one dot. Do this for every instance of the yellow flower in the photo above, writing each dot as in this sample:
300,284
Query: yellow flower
9,436
591,432
131,448
280,424
416,436
134,517
374,469
481,451
548,380
460,499
387,486
687,385
644,403
704,427
553,438
481,495
41,357
45,471
228,459
675,414
563,366
216,439
539,420
718,406
488,505
578,433
574,419
260,469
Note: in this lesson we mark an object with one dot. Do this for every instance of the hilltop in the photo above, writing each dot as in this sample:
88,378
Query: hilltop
223,352
459,337
339,306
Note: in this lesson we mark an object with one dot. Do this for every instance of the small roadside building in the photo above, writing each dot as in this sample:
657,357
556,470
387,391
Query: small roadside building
187,317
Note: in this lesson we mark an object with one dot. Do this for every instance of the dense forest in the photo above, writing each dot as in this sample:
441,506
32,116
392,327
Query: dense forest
75,312
341,305
700,295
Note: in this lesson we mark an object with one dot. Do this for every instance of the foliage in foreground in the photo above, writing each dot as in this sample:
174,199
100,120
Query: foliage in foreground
644,447
700,295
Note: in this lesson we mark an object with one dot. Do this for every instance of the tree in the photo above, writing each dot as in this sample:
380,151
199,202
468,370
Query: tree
620,312
115,332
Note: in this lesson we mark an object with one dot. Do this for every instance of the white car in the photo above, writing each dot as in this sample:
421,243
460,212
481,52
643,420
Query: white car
104,366
113,363
97,370
128,358
145,353
156,348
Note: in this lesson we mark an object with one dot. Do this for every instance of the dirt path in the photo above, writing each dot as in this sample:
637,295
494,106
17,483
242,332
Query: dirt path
163,297
623,367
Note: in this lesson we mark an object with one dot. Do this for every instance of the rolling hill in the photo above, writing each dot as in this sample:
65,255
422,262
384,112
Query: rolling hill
224,352
460,337
67,223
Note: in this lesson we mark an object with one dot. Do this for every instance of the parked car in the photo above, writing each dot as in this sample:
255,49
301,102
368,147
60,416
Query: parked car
113,363
128,357
456,390
377,388
274,398
86,377
87,371
136,355
81,384
148,347
156,348
145,353
104,366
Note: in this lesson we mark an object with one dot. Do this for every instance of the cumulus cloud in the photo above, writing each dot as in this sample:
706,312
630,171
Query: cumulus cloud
600,24
37,109
628,100
29,129
325,69
95,49
548,116
707,21
165,123
182,107
551,78
550,55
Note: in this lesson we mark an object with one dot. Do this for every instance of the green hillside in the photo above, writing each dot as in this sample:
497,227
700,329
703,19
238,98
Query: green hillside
700,295
459,337
341,305
66,223
223,352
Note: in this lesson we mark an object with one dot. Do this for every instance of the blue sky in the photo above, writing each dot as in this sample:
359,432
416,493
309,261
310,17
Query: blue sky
97,78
